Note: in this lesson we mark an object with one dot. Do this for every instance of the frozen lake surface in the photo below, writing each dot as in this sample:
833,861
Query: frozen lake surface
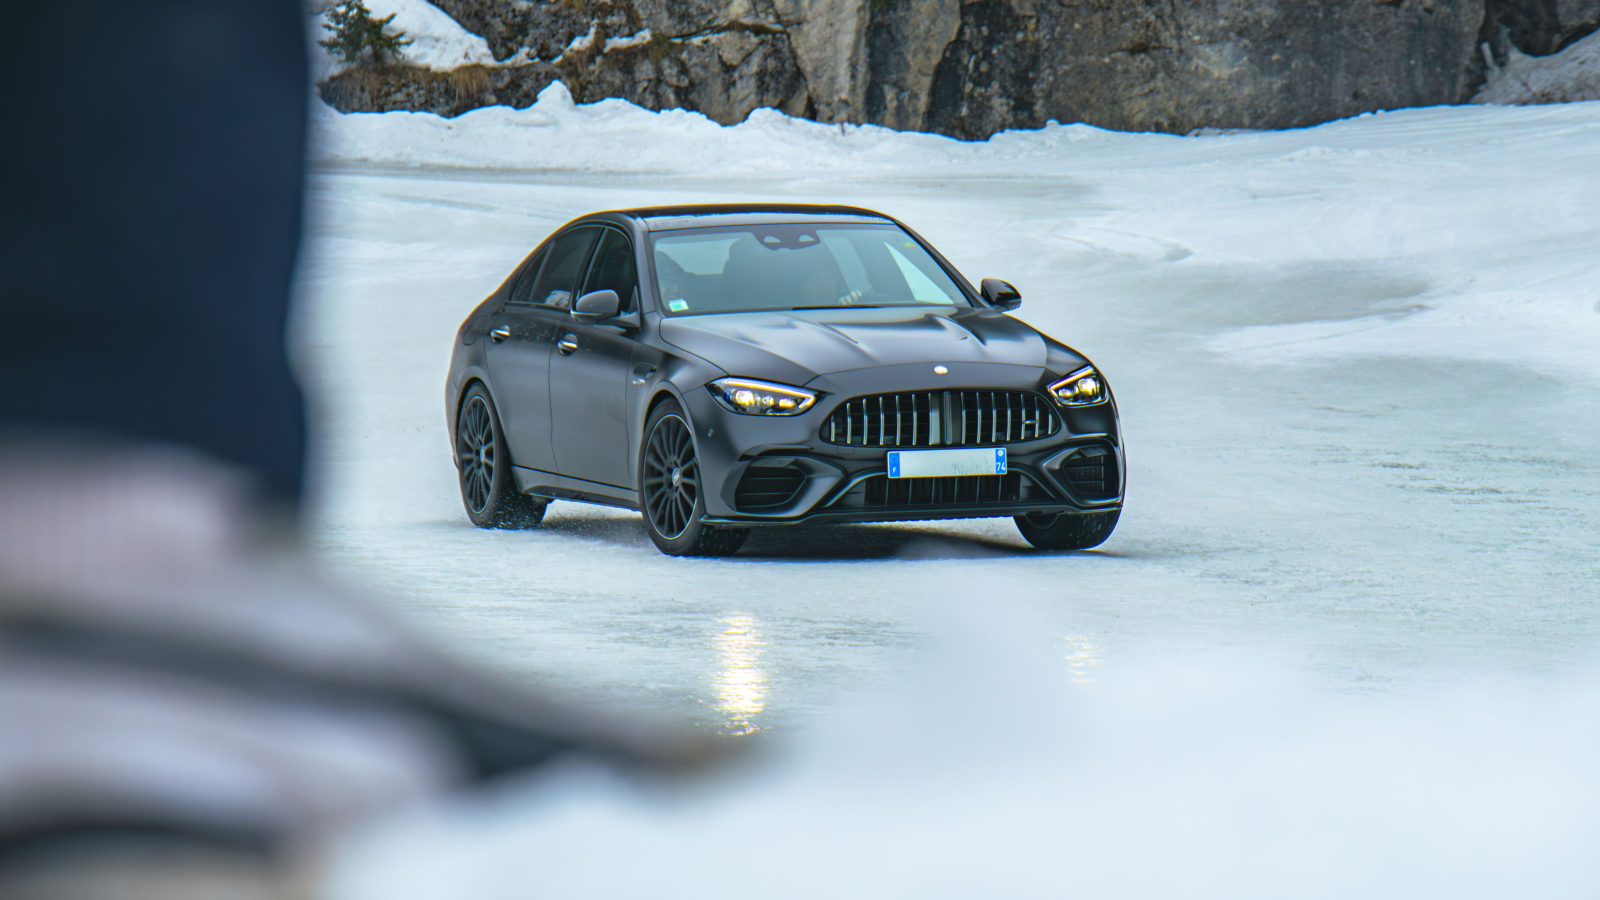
1358,368
1342,643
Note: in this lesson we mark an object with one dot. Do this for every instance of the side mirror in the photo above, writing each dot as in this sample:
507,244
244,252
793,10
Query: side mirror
1001,294
596,305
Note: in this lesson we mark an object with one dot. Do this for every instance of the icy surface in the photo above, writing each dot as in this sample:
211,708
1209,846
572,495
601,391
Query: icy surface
1000,778
1565,77
1358,367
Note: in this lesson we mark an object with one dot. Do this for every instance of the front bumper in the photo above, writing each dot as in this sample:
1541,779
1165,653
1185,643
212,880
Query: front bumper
848,483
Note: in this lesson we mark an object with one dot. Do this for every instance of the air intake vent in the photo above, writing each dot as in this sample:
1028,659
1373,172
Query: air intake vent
1092,472
767,487
941,418
954,491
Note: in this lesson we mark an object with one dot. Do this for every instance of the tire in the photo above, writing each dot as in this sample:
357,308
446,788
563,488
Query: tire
670,493
1067,531
483,466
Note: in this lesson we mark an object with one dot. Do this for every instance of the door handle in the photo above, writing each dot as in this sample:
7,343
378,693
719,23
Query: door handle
568,344
499,334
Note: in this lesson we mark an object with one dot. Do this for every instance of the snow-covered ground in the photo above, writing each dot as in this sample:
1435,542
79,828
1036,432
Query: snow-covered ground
1358,367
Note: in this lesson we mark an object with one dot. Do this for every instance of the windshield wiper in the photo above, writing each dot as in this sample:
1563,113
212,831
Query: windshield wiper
856,306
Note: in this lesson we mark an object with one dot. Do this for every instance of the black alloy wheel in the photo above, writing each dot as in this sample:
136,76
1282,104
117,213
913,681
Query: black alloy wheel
670,490
1067,531
487,489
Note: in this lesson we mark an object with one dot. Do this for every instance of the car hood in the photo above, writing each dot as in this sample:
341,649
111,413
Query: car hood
796,346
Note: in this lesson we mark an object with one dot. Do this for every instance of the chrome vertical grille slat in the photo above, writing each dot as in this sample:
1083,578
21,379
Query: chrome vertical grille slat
966,417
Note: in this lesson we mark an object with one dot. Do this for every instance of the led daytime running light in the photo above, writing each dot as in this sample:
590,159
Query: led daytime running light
759,398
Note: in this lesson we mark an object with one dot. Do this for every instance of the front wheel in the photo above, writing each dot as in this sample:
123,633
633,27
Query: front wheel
1067,531
670,490
487,489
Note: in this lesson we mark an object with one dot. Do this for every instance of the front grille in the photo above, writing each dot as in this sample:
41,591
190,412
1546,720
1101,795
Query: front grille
941,418
1092,472
767,487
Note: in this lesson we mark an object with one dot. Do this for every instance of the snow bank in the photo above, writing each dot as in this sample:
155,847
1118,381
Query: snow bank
615,136
1571,75
438,42
1487,205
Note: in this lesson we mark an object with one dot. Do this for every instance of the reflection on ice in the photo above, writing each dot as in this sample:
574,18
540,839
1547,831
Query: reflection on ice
1081,656
741,683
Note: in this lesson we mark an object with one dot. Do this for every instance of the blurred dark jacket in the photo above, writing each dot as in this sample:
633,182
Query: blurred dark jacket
153,161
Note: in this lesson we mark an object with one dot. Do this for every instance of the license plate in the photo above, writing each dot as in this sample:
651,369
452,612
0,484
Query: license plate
938,463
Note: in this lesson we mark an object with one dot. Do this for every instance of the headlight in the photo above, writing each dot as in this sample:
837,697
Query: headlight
758,398
1081,388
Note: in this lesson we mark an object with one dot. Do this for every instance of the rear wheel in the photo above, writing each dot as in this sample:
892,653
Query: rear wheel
487,489
670,490
1067,531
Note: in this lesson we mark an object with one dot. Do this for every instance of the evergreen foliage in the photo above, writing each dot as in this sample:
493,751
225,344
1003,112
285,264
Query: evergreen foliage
358,37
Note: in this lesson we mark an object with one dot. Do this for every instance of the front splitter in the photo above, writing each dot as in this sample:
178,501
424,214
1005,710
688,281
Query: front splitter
992,511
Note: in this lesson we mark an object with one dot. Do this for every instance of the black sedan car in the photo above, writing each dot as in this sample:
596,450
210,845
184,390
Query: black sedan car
720,368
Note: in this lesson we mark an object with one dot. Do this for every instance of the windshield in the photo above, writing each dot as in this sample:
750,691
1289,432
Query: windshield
765,267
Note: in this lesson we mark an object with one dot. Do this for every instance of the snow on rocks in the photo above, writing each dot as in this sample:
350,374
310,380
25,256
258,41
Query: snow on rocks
632,40
1565,77
585,42
438,42
582,42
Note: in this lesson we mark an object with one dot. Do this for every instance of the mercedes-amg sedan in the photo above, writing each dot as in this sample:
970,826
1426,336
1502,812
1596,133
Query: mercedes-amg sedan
720,368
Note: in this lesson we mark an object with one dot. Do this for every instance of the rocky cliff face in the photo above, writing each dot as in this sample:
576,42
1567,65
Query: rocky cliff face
969,68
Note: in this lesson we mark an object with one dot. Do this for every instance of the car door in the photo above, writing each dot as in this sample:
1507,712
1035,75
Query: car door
589,375
521,337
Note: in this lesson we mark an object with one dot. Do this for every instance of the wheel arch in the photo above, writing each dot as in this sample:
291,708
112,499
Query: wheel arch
664,392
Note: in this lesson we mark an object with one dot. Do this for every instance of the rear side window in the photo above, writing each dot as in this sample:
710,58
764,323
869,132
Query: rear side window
614,269
563,266
522,291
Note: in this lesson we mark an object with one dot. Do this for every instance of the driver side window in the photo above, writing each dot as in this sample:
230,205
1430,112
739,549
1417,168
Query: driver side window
557,283
614,269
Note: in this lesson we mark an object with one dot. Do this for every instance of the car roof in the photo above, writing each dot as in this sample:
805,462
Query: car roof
667,218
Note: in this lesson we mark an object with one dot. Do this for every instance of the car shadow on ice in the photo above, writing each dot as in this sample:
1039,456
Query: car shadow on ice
819,542
614,528
864,541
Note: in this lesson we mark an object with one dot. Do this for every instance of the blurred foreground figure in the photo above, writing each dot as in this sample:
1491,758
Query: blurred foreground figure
184,708
153,173
175,686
